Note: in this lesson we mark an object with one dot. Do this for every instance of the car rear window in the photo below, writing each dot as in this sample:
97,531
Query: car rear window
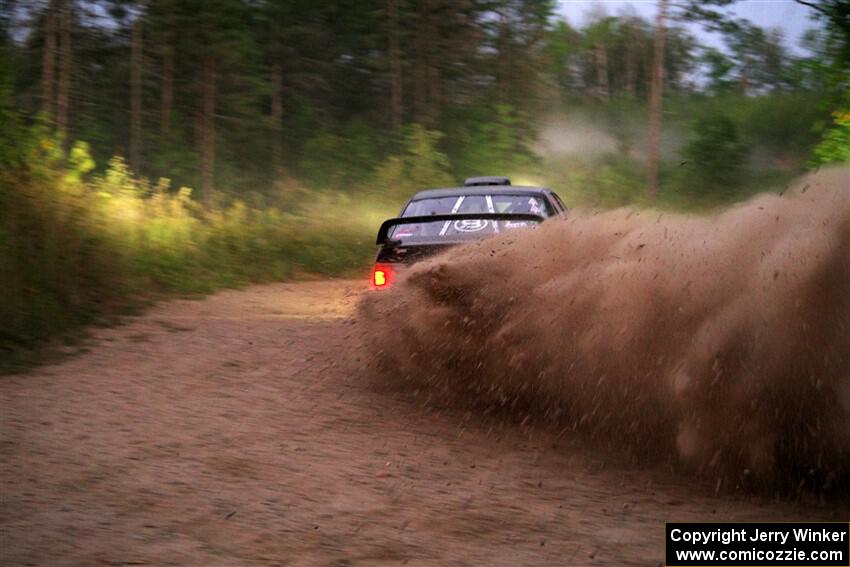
457,230
496,203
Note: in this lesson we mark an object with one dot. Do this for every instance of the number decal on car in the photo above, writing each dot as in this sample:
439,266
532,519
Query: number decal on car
470,225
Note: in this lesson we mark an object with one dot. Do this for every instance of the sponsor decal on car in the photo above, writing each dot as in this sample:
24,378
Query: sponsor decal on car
470,225
515,224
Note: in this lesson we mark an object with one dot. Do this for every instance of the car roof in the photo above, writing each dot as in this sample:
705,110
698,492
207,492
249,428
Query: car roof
479,190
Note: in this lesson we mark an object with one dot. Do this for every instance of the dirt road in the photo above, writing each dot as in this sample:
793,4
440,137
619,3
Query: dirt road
230,431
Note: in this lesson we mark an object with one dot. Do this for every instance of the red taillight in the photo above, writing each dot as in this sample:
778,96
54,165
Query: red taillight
381,276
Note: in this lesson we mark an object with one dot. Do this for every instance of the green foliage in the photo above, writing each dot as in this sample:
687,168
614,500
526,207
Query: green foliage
835,146
776,127
500,143
781,123
341,157
79,163
605,182
73,245
51,265
419,165
715,156
719,72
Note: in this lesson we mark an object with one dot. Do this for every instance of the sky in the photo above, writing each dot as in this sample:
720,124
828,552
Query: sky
789,16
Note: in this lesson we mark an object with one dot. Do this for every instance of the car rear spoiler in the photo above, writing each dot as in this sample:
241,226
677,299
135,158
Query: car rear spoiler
388,224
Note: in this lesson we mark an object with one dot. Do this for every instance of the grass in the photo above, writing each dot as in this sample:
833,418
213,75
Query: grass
76,249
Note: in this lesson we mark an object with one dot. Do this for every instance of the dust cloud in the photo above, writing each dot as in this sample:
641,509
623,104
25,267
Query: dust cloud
574,138
585,138
721,340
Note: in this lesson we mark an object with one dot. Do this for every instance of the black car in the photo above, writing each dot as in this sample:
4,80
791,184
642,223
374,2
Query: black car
436,219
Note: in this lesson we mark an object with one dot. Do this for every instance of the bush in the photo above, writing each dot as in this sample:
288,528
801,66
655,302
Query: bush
499,143
341,157
715,157
74,247
56,269
605,182
419,165
835,146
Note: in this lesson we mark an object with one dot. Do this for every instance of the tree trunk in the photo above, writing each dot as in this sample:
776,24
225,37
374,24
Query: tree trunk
277,119
435,94
136,62
198,114
503,59
744,80
65,62
207,127
653,153
396,108
167,100
632,53
48,59
422,44
601,54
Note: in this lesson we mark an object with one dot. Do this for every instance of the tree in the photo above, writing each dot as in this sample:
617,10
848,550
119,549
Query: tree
632,42
561,57
233,94
276,100
167,41
599,36
719,71
836,50
426,70
65,14
136,95
680,58
837,15
48,61
227,76
653,150
394,53
517,30
206,123
715,154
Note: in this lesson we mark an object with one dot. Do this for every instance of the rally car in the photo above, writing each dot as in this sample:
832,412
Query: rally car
436,219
